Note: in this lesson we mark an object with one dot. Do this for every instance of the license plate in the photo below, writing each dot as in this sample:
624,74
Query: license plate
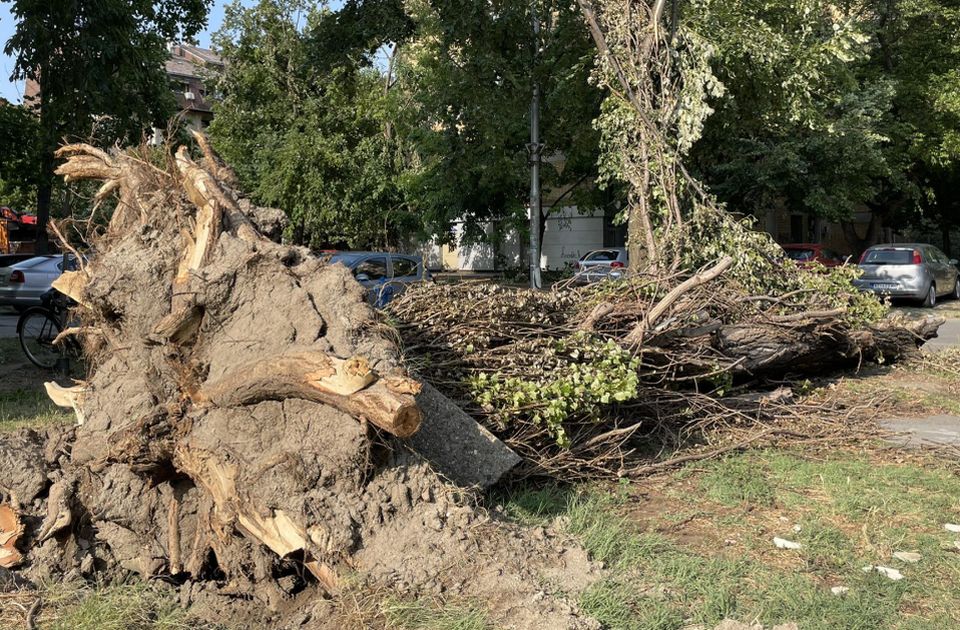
885,285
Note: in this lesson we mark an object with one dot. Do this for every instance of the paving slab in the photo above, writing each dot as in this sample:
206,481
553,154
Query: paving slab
941,430
459,447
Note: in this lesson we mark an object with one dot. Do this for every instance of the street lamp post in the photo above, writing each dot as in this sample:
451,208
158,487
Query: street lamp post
535,149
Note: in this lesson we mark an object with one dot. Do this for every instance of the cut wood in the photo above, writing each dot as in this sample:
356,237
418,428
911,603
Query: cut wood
635,337
71,284
200,189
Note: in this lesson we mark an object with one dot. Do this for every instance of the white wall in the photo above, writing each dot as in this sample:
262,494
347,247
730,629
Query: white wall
568,236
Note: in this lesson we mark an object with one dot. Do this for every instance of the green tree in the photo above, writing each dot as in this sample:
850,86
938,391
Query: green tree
833,107
797,123
96,58
917,47
19,135
469,72
306,119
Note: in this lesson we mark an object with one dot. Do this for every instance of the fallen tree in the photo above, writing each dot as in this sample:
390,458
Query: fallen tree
609,380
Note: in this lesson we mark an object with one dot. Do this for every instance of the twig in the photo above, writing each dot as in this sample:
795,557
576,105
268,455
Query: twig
32,613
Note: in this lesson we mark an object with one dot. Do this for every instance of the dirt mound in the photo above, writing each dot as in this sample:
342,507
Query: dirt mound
242,426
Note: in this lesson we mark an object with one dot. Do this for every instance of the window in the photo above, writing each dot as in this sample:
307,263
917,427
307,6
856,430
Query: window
403,267
800,254
373,268
602,255
797,232
888,257
614,234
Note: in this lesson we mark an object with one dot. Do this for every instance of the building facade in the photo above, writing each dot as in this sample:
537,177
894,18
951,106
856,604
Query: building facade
192,71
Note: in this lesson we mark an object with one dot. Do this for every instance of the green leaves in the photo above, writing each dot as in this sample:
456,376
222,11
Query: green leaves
19,168
591,373
308,126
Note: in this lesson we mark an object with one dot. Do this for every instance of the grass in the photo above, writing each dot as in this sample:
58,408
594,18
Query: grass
29,408
418,615
851,511
23,401
77,606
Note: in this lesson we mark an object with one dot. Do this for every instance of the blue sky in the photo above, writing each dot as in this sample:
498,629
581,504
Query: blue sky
13,91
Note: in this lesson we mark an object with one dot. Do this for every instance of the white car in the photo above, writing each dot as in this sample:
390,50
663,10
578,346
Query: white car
22,284
609,263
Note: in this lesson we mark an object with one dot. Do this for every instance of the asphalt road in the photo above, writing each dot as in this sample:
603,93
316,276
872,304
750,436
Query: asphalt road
8,324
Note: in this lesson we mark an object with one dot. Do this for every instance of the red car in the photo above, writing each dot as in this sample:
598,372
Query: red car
805,254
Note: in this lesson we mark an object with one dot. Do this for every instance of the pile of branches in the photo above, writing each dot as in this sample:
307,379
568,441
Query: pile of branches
607,380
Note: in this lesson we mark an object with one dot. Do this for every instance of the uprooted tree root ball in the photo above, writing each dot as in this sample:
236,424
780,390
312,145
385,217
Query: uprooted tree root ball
240,431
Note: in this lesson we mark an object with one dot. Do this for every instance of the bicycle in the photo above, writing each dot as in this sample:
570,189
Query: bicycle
38,328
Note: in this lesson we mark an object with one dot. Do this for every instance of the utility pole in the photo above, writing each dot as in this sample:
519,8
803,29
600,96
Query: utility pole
535,149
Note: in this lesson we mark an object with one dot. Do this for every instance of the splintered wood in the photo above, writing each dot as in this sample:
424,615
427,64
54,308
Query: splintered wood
11,528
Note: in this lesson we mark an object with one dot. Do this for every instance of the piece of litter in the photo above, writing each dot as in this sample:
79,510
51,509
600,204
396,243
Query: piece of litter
797,528
907,556
839,590
782,543
784,519
950,527
893,574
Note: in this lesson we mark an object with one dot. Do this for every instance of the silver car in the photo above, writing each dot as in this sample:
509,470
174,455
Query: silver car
22,283
909,270
609,263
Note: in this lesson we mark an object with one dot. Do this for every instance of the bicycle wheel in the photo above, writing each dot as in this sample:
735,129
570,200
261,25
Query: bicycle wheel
37,328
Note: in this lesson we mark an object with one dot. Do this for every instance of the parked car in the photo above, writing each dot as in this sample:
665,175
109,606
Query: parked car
384,275
11,259
609,263
808,254
912,270
22,283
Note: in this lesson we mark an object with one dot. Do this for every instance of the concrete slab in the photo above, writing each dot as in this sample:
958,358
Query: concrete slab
457,446
920,432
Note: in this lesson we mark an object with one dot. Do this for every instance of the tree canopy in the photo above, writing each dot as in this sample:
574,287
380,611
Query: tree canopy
386,119
97,60
19,135
368,134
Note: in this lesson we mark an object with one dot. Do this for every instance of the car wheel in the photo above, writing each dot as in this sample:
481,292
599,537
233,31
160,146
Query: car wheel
931,300
956,289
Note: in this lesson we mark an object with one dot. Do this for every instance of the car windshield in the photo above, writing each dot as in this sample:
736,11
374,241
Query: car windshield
800,254
888,257
604,255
